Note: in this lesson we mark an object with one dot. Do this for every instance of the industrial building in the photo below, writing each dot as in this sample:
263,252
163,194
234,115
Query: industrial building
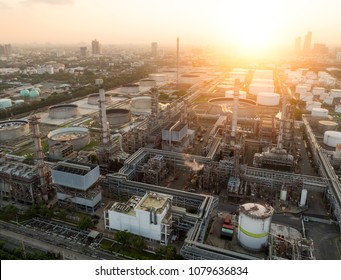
148,216
77,185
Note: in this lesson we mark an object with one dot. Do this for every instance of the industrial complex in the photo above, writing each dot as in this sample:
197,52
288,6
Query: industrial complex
212,172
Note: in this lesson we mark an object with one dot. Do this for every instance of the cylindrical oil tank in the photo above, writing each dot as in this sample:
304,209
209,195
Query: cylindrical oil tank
93,99
147,83
63,111
141,102
79,137
13,129
118,116
301,89
5,103
158,77
318,90
19,102
319,112
189,79
254,89
312,104
303,199
254,225
332,138
130,88
335,93
268,99
324,126
229,93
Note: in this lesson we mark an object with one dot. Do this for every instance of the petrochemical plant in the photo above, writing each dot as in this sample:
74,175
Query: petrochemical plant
211,168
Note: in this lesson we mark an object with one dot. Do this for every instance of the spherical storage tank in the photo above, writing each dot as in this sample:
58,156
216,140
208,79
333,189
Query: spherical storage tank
118,116
324,126
13,129
24,93
5,103
34,93
332,138
268,99
254,225
130,88
79,137
93,99
141,102
63,111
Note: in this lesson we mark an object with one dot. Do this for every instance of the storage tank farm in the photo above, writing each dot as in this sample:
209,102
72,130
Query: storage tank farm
254,225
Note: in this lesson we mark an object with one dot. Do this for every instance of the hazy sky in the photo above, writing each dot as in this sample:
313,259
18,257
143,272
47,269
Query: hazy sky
256,23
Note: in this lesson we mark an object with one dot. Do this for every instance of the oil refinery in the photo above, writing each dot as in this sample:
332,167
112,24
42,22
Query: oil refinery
215,170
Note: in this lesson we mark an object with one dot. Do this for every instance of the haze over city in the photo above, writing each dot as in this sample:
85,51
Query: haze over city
257,25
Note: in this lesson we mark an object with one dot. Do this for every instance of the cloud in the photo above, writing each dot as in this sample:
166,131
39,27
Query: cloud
52,2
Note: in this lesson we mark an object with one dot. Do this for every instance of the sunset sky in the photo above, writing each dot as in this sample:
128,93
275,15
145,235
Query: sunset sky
242,23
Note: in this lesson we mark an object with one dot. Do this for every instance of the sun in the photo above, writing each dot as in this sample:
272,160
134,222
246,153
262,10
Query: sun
248,26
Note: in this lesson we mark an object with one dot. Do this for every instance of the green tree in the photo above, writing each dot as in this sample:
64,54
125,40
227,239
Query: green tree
138,243
85,223
123,237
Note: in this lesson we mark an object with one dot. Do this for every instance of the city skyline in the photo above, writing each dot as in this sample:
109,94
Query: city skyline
246,25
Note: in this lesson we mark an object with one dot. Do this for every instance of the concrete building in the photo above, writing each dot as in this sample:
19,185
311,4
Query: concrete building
77,185
148,216
96,47
307,44
83,51
154,49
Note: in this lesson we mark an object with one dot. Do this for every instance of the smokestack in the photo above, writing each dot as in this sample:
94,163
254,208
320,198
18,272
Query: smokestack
235,108
103,116
177,63
39,157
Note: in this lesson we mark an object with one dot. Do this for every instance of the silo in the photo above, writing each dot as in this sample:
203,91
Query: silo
254,225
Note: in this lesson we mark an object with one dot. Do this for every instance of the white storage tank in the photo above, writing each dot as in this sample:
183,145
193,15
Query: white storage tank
303,199
254,89
319,112
301,89
283,195
318,90
268,99
159,78
5,103
254,225
312,104
229,94
335,93
332,138
93,99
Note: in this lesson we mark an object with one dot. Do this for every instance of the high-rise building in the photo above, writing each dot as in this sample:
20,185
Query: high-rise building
96,47
298,45
338,56
83,51
307,44
6,50
154,49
